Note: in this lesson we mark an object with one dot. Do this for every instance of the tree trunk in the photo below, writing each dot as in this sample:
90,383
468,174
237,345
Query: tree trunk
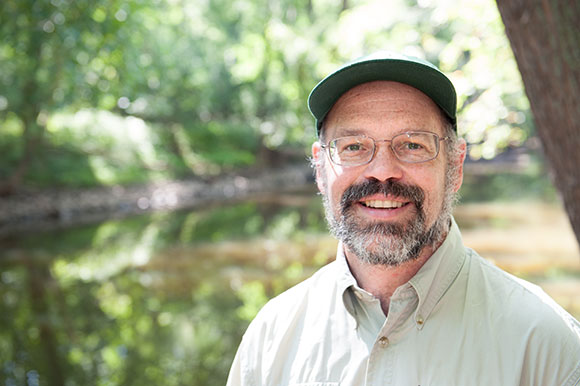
545,38
28,109
31,140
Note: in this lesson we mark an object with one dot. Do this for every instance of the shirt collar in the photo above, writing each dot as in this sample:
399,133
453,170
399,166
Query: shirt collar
345,280
430,282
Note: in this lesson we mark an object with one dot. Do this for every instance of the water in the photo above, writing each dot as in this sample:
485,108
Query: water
164,299
160,299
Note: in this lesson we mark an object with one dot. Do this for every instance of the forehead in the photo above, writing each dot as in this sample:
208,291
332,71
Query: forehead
384,106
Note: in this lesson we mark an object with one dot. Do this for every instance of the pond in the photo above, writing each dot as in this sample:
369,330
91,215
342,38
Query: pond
164,299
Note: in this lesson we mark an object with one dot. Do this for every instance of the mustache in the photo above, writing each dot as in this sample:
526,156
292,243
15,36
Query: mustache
357,192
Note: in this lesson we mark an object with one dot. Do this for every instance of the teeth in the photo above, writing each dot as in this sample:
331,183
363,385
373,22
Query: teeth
383,204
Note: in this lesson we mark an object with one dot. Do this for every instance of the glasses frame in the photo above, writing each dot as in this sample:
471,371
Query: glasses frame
327,147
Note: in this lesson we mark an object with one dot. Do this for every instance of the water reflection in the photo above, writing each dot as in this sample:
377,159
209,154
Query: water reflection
160,299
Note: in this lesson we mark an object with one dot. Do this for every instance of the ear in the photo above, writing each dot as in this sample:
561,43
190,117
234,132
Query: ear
317,154
460,160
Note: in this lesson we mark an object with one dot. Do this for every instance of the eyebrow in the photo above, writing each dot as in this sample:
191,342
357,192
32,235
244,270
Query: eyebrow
350,132
345,132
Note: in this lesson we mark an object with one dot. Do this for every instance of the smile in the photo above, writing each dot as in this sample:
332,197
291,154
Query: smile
383,204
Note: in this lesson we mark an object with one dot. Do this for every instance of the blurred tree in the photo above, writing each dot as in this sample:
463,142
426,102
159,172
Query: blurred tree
46,51
545,38
218,85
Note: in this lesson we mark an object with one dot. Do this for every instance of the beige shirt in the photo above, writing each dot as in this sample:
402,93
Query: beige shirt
458,321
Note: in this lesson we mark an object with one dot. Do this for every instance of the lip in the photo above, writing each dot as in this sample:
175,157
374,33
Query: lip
384,213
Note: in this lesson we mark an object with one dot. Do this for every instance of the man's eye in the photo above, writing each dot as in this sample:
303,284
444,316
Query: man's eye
353,147
412,146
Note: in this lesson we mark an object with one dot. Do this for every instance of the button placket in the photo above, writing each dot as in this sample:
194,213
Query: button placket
383,341
419,322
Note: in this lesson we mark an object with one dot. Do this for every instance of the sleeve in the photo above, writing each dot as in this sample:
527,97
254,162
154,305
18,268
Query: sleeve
246,367
553,350
237,377
574,379
572,344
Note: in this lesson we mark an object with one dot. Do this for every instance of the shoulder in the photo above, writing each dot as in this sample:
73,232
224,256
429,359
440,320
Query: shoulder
522,307
305,294
276,330
509,291
292,306
519,322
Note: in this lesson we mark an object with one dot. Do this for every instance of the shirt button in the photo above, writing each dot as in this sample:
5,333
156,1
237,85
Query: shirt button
383,341
420,320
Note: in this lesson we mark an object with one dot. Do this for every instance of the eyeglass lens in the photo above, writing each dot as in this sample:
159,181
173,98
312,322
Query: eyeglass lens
410,147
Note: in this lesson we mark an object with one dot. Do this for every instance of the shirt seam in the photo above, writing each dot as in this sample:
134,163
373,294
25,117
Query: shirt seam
574,378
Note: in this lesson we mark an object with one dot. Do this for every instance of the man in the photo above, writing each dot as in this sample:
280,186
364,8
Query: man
405,303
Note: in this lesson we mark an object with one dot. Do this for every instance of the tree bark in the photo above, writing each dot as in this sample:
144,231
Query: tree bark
545,38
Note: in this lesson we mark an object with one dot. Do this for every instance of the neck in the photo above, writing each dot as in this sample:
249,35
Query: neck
381,280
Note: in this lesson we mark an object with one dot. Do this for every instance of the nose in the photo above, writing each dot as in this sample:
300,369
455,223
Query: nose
384,165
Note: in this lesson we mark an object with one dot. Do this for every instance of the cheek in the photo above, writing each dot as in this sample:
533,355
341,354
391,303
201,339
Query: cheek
334,191
332,179
336,182
435,194
432,181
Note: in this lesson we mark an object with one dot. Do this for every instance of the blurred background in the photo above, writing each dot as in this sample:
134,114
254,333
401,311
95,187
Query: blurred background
155,189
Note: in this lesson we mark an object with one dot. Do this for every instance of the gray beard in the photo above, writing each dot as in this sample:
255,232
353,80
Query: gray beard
388,244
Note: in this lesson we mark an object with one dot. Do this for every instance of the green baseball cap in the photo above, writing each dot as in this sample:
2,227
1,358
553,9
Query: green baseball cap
384,65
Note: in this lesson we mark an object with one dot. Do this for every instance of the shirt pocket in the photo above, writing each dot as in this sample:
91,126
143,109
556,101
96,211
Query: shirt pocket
315,384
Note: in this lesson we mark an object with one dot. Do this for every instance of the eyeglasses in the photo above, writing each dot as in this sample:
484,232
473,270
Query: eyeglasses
410,147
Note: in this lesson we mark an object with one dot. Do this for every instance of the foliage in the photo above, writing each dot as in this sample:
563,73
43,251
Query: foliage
513,187
214,85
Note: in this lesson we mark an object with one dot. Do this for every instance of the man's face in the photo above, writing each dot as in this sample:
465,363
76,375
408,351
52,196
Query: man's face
386,212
